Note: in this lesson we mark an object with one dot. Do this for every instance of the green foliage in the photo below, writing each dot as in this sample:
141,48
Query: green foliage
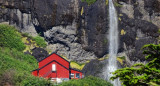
89,1
16,69
10,37
40,41
13,59
87,81
15,66
117,4
139,74
35,81
27,35
159,30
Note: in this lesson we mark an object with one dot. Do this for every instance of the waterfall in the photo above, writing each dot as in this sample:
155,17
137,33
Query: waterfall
113,44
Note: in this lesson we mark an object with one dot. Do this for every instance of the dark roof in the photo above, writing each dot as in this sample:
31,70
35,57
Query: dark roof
51,54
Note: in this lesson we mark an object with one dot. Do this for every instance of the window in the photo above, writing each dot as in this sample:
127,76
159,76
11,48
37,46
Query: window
77,75
72,75
53,67
82,76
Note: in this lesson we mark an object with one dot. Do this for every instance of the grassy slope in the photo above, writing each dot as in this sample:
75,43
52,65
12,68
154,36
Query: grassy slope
87,81
16,67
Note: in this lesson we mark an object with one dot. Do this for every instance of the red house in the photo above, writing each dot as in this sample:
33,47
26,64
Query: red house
57,69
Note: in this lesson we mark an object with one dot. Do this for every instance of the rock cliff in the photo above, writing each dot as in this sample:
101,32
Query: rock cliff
79,31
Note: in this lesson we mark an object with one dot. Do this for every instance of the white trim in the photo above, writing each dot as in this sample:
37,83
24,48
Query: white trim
72,74
54,67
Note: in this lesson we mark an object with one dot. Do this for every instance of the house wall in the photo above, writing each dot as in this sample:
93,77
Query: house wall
74,72
53,57
61,72
35,73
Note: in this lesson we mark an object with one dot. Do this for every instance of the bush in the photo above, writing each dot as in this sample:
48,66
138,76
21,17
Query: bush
87,81
140,74
10,37
35,81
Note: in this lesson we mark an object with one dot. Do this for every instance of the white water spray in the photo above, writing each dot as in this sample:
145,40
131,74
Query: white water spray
113,43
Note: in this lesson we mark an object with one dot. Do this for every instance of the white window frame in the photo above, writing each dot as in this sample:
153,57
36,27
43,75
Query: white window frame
53,67
72,75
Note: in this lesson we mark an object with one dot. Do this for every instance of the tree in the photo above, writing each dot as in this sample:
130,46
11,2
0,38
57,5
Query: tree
140,74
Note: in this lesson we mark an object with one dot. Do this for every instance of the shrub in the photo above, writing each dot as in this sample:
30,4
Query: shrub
140,74
7,78
87,81
35,81
10,37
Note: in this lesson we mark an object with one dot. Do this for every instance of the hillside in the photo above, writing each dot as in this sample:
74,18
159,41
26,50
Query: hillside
16,66
79,31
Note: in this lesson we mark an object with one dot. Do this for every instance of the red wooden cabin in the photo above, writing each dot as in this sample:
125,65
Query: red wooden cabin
57,69
76,74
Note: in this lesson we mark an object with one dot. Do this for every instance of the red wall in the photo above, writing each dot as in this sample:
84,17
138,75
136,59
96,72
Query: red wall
35,73
51,58
74,72
60,73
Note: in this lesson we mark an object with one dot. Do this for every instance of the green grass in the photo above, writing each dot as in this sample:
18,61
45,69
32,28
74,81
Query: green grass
10,37
89,1
87,81
16,67
19,66
40,41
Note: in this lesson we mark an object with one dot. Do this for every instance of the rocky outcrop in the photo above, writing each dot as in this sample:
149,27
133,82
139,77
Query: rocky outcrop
93,28
39,53
138,25
79,31
64,41
97,68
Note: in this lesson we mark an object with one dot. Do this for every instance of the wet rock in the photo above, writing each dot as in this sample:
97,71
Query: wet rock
97,68
39,53
93,28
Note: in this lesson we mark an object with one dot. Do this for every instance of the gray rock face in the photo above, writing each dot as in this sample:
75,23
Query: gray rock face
138,26
88,35
93,28
39,53
63,40
79,31
97,68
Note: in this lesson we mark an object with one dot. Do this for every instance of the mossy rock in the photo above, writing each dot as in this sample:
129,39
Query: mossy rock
76,65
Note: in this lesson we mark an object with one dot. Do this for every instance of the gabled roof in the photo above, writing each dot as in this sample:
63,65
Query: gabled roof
50,63
52,54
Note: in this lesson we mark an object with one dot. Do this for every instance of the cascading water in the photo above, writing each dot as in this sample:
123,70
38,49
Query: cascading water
113,44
